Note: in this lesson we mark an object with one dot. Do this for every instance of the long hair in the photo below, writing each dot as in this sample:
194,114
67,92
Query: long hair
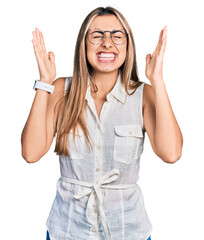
71,109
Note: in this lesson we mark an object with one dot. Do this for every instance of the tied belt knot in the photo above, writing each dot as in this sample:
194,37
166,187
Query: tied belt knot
96,195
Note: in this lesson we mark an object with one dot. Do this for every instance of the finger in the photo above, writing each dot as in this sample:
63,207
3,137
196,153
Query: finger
164,32
35,50
162,44
42,42
160,36
37,34
35,40
148,58
164,39
159,43
51,57
36,45
160,51
38,39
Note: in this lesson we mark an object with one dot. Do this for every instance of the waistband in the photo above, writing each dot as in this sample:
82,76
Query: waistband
95,190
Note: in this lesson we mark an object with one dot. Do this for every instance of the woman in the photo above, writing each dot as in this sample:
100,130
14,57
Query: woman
100,116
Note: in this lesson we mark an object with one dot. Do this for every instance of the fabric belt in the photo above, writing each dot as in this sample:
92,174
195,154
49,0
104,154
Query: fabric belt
96,195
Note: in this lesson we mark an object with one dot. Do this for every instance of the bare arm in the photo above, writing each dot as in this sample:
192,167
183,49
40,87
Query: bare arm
161,125
159,120
33,138
38,132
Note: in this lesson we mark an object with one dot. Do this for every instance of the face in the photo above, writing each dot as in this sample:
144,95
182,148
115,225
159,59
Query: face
106,57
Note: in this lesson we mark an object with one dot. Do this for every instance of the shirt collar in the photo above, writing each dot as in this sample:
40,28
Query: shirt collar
117,92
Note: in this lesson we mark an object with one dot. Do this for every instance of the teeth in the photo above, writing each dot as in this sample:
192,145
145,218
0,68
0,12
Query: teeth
106,55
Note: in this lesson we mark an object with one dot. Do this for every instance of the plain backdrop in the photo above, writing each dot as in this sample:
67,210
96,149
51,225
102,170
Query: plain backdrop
173,193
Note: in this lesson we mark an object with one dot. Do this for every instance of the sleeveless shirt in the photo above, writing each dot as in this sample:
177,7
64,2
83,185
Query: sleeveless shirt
97,195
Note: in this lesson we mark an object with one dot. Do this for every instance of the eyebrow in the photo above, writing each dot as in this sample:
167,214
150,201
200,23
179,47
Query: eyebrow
101,30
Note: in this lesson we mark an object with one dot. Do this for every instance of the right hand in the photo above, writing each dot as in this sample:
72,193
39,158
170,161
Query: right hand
46,61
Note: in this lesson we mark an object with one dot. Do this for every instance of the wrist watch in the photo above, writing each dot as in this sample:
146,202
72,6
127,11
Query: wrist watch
43,86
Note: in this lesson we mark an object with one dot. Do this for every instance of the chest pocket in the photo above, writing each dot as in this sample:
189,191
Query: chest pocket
77,150
126,143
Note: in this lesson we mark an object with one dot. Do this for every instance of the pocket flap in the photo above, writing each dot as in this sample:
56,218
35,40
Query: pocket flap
129,130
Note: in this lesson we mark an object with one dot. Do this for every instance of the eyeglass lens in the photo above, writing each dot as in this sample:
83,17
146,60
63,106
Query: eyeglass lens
96,36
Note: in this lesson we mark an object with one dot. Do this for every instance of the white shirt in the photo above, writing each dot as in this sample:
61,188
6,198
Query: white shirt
97,195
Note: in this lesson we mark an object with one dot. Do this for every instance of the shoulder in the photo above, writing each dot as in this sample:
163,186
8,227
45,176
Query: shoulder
135,87
59,83
58,92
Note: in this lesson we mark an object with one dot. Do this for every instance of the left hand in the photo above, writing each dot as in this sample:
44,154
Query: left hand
154,62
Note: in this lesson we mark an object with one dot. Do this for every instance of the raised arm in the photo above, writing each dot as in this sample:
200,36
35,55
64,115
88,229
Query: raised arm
159,120
39,130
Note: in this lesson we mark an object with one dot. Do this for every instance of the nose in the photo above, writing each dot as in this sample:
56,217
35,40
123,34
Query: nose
107,42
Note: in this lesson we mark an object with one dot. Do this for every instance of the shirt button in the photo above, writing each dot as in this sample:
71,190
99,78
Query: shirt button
98,169
91,216
95,210
93,229
98,147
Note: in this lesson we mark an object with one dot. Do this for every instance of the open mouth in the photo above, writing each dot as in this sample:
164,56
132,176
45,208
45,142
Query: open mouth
106,57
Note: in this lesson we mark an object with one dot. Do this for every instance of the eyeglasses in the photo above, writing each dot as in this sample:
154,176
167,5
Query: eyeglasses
97,36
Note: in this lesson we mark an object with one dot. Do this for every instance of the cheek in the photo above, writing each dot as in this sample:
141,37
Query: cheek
90,54
123,54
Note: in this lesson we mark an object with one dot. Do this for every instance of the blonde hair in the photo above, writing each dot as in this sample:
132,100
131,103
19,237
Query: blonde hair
71,109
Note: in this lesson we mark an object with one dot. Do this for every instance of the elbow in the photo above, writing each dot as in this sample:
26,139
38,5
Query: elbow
170,156
173,157
30,155
29,158
177,153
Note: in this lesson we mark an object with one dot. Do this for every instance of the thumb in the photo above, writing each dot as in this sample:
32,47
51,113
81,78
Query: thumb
148,58
51,56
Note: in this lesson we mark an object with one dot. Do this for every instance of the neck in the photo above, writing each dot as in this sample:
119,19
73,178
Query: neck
105,82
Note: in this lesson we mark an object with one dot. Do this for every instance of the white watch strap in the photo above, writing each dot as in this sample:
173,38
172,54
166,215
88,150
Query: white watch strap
43,86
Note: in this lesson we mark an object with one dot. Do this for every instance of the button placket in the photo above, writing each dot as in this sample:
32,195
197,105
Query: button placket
98,147
93,229
105,109
98,153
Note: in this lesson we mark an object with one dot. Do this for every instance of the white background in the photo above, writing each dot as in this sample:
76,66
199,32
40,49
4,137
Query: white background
173,193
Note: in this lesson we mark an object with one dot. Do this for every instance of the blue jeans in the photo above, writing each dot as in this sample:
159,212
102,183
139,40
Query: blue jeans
48,237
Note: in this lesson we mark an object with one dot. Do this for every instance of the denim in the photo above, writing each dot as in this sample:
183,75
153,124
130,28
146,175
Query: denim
48,237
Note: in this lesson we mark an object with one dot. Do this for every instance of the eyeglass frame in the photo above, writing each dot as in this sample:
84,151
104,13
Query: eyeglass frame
126,33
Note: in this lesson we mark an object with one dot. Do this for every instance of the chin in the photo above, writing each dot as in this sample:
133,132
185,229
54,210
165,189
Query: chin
106,69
